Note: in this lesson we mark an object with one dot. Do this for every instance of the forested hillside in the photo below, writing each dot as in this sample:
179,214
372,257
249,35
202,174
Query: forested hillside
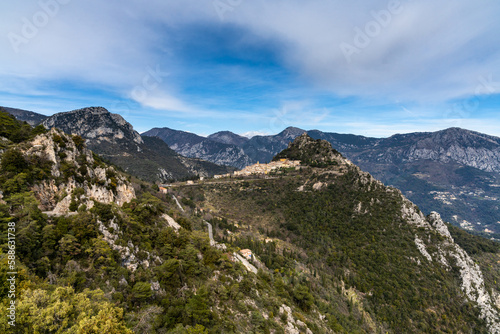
334,250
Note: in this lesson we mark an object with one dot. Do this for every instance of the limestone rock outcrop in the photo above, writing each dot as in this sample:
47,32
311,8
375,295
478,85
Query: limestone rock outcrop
77,177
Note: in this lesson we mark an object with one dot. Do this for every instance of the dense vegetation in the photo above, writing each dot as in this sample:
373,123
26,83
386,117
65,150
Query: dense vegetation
16,131
174,282
333,256
368,253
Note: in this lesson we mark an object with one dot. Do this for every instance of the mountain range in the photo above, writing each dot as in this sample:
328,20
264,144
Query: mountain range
454,171
320,247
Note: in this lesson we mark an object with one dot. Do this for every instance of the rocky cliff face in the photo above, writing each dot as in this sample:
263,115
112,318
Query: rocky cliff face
450,255
94,123
221,154
77,178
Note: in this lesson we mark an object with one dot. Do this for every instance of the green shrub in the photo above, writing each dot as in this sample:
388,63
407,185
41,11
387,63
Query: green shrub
79,141
14,161
59,140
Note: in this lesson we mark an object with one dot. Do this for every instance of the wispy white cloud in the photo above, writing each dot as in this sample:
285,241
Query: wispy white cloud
166,102
427,51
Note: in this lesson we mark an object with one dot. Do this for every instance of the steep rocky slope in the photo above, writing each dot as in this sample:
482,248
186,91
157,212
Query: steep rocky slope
97,124
77,178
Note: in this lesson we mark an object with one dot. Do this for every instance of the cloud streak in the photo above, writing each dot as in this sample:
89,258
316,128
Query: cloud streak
261,59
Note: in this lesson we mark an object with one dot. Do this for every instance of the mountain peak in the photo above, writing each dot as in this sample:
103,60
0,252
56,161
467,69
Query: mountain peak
94,123
462,138
304,139
316,153
87,111
464,132
292,132
228,137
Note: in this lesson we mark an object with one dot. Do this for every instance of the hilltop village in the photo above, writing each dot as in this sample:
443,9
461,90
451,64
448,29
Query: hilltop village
254,169
259,168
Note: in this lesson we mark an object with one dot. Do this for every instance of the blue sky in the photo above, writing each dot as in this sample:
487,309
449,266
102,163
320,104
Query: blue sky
373,68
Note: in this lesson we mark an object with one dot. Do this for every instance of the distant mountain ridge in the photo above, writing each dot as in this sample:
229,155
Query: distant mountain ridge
225,147
264,148
466,147
210,149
